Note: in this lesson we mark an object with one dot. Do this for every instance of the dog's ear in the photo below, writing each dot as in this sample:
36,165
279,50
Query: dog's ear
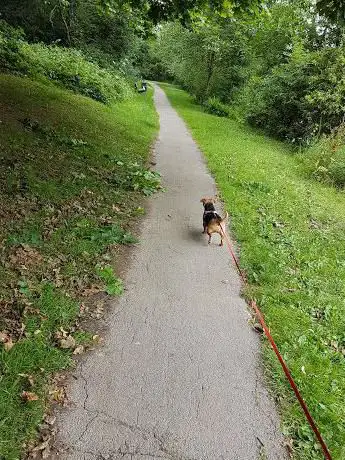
203,200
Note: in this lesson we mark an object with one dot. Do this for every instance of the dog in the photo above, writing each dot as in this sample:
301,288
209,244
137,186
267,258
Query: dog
211,220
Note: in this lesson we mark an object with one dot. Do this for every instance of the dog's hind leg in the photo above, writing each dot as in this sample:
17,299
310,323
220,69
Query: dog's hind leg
209,237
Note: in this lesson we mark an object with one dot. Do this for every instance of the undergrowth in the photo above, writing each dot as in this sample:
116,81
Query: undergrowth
73,174
290,231
67,67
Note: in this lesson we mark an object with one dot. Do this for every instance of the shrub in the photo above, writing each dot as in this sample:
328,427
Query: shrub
337,172
65,66
302,98
11,57
325,159
70,68
214,106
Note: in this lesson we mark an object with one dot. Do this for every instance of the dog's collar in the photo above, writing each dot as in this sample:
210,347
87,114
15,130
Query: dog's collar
207,212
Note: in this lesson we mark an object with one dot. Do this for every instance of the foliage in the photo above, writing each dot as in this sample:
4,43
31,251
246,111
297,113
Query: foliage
299,99
66,66
70,68
137,178
214,106
148,62
325,159
282,70
11,57
291,233
46,21
114,286
334,10
184,11
199,60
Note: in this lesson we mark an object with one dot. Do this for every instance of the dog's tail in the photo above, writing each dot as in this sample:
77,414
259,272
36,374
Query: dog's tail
223,219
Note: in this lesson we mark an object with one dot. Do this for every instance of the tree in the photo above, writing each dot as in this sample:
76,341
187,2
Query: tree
333,10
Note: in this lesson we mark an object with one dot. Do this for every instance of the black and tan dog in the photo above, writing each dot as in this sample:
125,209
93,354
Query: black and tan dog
212,221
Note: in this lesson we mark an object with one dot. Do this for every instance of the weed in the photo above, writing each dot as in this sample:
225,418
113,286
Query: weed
114,286
138,179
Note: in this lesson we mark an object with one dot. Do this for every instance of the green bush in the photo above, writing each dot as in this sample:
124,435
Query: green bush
300,99
70,68
214,106
66,66
11,57
337,172
325,159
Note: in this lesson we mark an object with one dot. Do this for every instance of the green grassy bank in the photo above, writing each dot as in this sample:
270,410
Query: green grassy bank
72,179
291,235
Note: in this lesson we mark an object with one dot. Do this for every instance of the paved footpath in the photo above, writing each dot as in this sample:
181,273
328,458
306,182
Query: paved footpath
179,376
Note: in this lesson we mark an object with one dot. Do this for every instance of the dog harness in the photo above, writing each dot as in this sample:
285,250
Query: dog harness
212,212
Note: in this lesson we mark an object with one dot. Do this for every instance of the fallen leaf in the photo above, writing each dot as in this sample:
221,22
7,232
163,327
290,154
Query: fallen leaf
22,329
8,345
90,291
28,396
50,419
96,338
4,337
58,335
79,350
29,378
46,453
65,333
41,446
25,256
58,395
288,443
68,342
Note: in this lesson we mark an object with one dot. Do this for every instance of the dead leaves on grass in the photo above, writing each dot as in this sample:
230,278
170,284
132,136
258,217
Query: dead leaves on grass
93,289
6,340
29,396
79,350
47,432
64,339
25,257
68,342
29,378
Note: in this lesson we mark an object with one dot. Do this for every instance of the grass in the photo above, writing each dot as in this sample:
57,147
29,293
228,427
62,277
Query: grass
291,235
73,174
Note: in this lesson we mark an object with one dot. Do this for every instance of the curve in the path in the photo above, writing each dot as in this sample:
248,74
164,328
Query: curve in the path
179,376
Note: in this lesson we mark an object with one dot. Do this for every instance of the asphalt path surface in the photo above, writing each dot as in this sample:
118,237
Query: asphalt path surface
179,376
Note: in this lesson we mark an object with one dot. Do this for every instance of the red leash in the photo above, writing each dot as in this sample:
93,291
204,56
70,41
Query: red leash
260,317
